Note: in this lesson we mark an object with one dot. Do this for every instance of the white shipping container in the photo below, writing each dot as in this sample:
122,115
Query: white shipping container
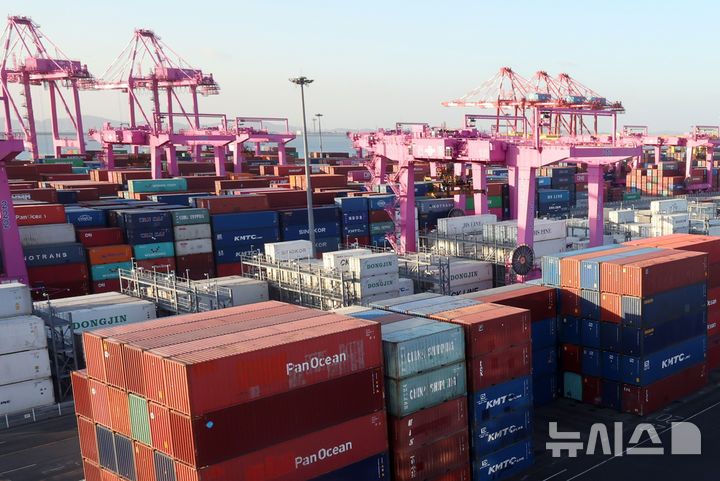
15,300
379,297
469,272
623,216
464,225
26,395
370,286
100,310
339,259
406,286
467,288
714,231
244,290
24,366
288,251
192,231
36,235
194,246
373,264
22,333
507,231
547,247
675,220
668,206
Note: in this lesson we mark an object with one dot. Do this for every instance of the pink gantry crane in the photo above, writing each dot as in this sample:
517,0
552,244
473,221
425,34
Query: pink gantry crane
13,260
27,61
245,131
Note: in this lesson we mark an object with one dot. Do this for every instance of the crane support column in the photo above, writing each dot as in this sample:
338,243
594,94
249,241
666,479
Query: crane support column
406,204
219,160
109,157
595,205
658,153
688,161
480,183
239,157
459,169
379,170
78,118
709,165
57,149
171,159
257,148
156,162
282,154
525,205
11,248
513,188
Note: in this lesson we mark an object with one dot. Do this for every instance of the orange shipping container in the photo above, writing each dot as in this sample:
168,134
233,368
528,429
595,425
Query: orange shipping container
40,214
109,254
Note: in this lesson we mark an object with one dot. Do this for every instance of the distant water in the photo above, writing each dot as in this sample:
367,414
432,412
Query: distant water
331,143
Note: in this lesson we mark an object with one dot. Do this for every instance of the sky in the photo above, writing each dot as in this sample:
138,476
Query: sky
375,63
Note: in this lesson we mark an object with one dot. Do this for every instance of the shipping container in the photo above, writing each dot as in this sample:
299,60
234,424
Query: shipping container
590,268
572,386
551,264
144,462
645,400
24,365
40,214
124,453
571,357
88,439
426,462
190,216
650,311
545,389
539,300
154,250
591,362
139,419
569,330
194,246
22,332
428,425
499,366
52,255
590,333
592,390
425,390
38,235
640,342
496,433
106,448
641,371
109,254
191,231
544,361
499,399
101,236
503,463
374,468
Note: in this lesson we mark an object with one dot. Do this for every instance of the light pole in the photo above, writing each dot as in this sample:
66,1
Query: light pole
320,130
314,124
302,81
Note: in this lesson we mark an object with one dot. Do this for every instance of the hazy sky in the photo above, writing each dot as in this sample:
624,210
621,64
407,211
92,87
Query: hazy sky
378,62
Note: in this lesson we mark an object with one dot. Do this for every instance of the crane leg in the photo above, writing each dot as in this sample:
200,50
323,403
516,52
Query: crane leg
219,160
155,162
595,205
525,204
479,183
171,159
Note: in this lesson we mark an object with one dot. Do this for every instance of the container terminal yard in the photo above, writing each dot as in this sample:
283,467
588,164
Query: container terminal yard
530,294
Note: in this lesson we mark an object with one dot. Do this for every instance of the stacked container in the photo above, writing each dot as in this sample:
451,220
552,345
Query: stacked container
235,235
355,220
294,226
55,262
377,276
25,381
466,276
164,399
379,220
150,233
194,257
101,238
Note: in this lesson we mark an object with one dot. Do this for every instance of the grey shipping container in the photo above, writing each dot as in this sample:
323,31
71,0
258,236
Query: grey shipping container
125,457
425,390
106,448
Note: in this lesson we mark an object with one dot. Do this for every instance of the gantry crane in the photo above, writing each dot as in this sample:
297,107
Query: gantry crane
27,61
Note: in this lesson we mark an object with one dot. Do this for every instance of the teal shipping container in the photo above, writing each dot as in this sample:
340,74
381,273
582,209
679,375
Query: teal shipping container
157,185
154,251
381,227
425,390
190,216
572,386
103,272
413,346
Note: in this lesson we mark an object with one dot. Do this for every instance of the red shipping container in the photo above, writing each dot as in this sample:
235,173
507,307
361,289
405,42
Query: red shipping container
685,242
69,274
223,185
460,474
231,204
714,276
108,285
301,458
286,198
645,400
91,470
87,193
81,393
570,301
100,236
40,214
432,460
713,357
108,476
713,298
109,254
611,307
144,462
390,318
266,366
571,358
539,300
160,432
713,323
360,241
88,439
652,276
42,195
592,390
376,216
119,411
231,269
195,266
612,273
212,438
428,425
318,180
100,403
499,366
570,266
160,264
489,327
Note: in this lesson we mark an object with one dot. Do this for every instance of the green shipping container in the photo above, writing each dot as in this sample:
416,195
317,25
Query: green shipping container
154,251
139,422
572,386
470,202
381,227
157,185
104,272
631,195
425,390
75,161
190,216
494,202
414,346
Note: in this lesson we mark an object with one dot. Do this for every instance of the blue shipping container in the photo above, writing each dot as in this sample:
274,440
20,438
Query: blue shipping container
590,333
650,311
544,361
374,468
244,237
297,232
543,181
611,394
590,268
553,207
500,399
546,196
299,217
544,333
356,230
54,254
244,220
379,240
591,362
67,196
86,217
499,432
149,236
352,204
355,217
611,365
226,255
144,219
503,463
369,314
181,199
551,263
641,342
380,202
642,371
327,244
610,339
545,389
434,206
569,329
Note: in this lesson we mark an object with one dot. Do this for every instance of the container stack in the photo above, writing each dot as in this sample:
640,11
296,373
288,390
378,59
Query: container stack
355,220
294,226
379,220
164,399
235,235
25,381
150,233
377,276
466,276
430,210
426,400
550,236
541,302
54,261
102,238
193,243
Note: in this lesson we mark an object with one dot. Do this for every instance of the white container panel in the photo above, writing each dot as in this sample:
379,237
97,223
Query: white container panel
244,290
94,316
22,333
547,247
24,366
339,259
464,225
370,286
373,264
288,251
36,235
469,272
15,300
406,287
194,246
22,396
669,206
379,297
623,216
192,231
